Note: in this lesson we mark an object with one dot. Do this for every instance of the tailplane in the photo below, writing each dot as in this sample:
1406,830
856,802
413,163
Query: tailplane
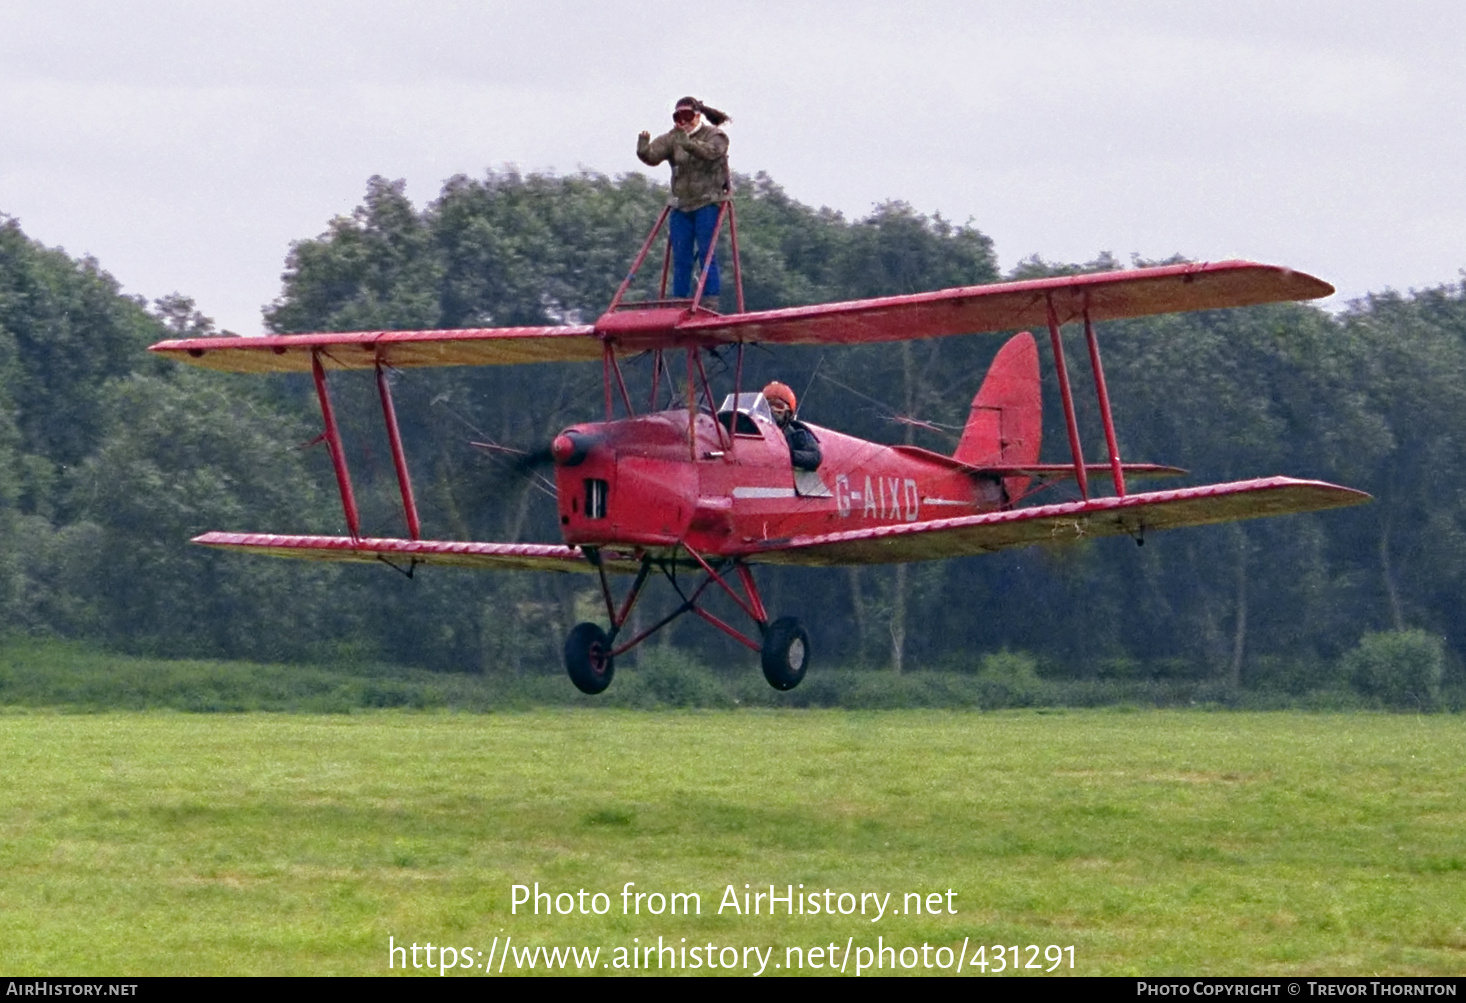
1005,425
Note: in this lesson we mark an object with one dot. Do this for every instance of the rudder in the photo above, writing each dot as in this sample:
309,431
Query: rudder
1005,425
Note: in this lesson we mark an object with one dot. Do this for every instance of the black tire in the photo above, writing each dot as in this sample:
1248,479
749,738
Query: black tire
785,653
588,658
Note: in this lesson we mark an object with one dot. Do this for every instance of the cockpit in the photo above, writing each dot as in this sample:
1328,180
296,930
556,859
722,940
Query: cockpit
748,409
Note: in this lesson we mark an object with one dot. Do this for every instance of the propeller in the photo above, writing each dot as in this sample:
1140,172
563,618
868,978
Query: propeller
526,464
568,449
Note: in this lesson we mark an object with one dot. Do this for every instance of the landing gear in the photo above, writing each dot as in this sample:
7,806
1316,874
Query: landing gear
588,658
590,651
785,653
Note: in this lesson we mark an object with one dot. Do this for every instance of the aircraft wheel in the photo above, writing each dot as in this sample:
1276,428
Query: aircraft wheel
785,653
588,658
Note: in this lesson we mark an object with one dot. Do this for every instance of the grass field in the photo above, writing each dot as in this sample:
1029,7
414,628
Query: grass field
1154,842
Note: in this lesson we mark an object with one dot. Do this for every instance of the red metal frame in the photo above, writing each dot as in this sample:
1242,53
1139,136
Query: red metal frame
689,603
399,457
725,436
728,629
726,211
692,359
1103,393
333,443
737,266
631,596
609,365
1075,449
657,363
640,257
753,605
606,351
718,579
746,576
737,391
609,361
709,255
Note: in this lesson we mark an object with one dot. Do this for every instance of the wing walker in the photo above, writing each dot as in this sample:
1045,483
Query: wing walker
707,487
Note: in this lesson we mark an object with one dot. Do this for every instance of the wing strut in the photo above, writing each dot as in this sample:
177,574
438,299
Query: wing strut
332,435
707,393
1101,391
333,442
610,366
1075,449
399,458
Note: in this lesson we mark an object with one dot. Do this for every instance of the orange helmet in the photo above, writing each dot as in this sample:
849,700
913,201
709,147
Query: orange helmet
778,391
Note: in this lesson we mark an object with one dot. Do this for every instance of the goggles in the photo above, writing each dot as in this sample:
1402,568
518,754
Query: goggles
682,115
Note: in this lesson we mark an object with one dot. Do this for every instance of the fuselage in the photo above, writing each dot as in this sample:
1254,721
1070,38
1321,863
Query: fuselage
726,486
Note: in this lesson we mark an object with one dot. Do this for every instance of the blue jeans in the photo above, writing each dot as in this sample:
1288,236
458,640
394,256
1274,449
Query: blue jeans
686,229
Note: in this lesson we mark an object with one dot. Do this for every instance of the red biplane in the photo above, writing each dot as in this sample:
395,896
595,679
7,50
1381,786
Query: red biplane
710,486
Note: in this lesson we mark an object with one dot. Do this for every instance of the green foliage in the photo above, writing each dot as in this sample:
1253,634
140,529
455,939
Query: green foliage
668,677
1400,668
109,462
1016,667
1294,676
64,331
185,454
373,269
1010,679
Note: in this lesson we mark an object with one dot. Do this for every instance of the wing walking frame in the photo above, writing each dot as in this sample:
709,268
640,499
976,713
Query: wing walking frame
661,324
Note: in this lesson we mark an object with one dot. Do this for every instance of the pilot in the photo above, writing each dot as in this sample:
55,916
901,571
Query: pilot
804,448
700,186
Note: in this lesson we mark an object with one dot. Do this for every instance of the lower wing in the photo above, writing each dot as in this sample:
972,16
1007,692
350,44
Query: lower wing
1133,515
503,556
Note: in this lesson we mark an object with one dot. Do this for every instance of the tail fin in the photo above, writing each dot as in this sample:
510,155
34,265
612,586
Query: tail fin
1005,425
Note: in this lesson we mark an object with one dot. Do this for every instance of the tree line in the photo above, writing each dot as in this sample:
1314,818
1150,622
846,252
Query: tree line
111,460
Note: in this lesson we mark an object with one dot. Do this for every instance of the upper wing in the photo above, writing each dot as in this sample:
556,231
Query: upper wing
291,353
1010,305
968,310
1132,515
503,556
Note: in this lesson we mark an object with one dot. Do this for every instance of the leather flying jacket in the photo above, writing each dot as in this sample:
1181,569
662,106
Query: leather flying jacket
699,164
804,448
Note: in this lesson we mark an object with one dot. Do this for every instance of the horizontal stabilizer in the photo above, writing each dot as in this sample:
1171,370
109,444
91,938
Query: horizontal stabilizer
1133,515
1043,471
1058,471
402,553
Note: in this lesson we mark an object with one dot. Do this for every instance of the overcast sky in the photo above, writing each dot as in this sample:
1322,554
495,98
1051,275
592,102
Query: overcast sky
185,145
